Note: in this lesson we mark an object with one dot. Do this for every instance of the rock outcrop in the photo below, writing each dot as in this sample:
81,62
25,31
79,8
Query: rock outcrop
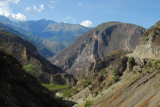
149,44
28,56
97,43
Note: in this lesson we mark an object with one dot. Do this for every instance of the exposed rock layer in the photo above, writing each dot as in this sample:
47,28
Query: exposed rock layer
137,85
139,88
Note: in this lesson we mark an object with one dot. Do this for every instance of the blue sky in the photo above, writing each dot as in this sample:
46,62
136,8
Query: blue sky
86,12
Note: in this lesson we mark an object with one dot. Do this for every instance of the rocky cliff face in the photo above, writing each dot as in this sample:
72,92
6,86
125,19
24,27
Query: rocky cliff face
28,56
97,43
101,74
20,89
149,44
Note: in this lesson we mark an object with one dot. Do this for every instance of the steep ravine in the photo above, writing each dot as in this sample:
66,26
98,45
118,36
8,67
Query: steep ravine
27,55
20,89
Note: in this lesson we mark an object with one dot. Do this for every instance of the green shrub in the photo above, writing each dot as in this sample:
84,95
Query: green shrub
156,32
147,39
86,82
130,60
115,78
85,78
115,72
30,69
1,48
149,65
88,104
155,64
115,75
55,87
113,88
148,71
134,72
65,89
69,92
140,71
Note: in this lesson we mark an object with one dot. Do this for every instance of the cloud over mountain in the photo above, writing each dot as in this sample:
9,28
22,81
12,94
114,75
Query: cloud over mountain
87,23
6,11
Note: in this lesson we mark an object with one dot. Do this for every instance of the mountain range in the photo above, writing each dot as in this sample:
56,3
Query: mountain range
48,34
112,65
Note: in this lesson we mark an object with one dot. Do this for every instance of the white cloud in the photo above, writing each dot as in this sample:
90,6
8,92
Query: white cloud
13,1
87,23
29,10
68,18
41,7
19,17
80,4
53,3
6,11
